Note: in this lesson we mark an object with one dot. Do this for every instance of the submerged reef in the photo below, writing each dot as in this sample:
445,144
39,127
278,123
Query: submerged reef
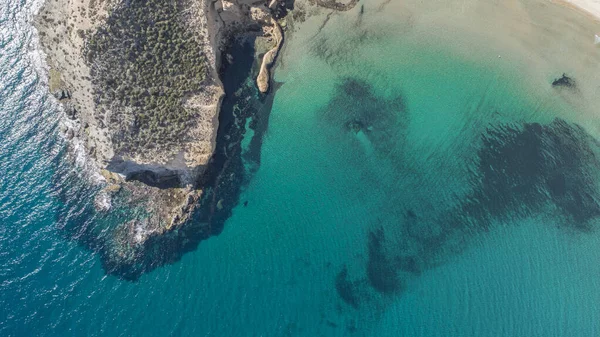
356,107
381,272
524,169
520,170
347,289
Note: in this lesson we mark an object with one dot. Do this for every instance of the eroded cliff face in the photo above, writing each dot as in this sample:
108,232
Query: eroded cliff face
139,84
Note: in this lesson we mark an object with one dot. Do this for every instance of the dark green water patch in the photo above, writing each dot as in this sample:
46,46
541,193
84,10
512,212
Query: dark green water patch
260,124
381,272
356,108
347,289
520,170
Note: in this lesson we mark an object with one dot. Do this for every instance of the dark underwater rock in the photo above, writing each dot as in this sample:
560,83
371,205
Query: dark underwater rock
520,170
346,289
381,271
356,107
281,8
564,81
523,168
355,126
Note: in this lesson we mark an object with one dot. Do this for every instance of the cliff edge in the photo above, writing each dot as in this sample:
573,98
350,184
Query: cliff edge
140,78
139,84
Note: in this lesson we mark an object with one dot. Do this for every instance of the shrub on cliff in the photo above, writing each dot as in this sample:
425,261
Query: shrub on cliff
145,61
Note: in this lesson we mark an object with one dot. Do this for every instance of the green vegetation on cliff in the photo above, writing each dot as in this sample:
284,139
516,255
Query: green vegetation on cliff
145,61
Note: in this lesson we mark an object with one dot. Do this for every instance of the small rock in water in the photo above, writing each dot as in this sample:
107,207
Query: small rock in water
564,81
355,126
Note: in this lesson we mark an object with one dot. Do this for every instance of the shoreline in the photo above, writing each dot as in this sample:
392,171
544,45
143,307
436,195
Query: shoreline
71,80
142,232
590,7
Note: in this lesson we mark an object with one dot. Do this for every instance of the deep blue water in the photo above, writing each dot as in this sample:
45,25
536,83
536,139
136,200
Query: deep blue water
372,209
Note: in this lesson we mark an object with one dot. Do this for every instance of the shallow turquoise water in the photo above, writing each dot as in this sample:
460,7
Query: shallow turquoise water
385,231
520,281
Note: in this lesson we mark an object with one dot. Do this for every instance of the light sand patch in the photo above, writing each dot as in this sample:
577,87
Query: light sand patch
536,39
590,6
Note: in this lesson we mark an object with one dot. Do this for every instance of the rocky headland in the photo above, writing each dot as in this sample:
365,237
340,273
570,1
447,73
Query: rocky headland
140,85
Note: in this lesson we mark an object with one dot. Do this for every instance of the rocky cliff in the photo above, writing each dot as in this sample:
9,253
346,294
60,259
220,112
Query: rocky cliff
139,84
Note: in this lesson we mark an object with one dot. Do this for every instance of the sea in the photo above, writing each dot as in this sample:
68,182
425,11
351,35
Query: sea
427,168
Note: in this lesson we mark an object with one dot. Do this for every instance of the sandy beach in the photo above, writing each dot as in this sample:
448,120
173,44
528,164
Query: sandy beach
590,6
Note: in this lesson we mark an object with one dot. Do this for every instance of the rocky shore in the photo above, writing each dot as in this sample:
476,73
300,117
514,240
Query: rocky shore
110,131
140,84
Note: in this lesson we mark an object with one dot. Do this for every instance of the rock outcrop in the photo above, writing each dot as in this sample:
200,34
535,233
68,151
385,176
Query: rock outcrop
564,81
143,101
264,76
112,131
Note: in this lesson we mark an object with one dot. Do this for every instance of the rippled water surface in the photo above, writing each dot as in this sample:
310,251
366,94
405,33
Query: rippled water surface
411,182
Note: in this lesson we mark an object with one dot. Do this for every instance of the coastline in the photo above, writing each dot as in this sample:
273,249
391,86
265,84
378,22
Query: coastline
176,203
161,184
323,217
163,190
590,7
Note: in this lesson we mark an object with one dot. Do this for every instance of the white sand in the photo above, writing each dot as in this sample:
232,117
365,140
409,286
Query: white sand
590,6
